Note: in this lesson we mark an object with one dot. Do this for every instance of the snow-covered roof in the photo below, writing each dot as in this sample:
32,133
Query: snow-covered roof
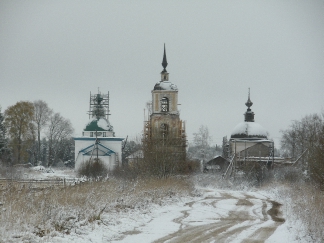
165,85
101,124
249,130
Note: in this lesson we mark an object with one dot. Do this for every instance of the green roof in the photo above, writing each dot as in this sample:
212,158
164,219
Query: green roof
102,126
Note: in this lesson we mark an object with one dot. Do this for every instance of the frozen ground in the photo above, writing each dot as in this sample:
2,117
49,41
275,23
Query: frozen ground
215,216
212,215
40,172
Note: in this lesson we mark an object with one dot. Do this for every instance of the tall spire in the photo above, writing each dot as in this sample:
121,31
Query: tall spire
249,114
164,61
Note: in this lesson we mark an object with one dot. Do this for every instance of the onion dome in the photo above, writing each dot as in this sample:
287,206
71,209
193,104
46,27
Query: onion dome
101,124
249,129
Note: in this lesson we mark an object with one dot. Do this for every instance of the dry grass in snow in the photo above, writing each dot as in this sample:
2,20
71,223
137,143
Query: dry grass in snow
303,202
303,206
30,214
36,213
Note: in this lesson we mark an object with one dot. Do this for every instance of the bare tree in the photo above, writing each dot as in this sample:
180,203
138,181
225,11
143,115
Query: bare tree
163,157
202,140
42,114
59,129
301,135
5,152
225,147
308,133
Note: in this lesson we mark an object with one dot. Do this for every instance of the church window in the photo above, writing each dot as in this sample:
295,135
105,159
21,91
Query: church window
164,129
164,104
104,134
91,134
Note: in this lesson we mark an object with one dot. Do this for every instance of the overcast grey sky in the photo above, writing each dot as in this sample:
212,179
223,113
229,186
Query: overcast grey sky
59,51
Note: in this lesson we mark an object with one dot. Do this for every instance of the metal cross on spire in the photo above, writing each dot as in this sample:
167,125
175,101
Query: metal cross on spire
249,103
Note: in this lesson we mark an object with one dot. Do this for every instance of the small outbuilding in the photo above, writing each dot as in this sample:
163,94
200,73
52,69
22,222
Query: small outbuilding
217,164
135,157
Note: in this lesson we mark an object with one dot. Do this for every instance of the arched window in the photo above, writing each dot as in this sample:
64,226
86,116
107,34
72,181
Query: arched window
164,104
164,129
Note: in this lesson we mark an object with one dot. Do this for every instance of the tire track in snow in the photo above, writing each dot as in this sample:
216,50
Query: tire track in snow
248,223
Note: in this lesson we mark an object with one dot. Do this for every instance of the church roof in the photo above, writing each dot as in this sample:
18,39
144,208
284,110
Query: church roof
165,85
101,124
249,130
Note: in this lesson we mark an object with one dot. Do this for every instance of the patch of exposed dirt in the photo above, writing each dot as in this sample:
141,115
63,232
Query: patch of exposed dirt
132,232
275,212
244,202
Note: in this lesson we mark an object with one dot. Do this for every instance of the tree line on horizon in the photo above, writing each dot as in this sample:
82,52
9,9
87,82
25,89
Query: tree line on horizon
32,133
302,141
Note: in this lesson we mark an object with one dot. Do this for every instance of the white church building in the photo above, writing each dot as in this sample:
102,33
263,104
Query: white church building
98,138
250,139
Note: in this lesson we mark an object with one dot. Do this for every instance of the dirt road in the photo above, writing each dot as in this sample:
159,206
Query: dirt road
219,216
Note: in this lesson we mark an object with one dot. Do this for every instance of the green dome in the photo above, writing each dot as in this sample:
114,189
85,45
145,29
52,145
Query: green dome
100,124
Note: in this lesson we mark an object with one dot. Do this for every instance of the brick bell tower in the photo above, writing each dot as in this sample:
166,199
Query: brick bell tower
165,128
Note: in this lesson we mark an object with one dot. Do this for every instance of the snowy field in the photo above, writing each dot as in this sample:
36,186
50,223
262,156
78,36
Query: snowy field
207,214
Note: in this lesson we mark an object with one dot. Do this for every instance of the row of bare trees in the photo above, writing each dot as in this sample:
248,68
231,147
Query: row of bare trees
156,157
307,135
34,133
166,155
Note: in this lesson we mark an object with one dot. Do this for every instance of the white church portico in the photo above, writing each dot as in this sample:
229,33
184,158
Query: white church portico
98,138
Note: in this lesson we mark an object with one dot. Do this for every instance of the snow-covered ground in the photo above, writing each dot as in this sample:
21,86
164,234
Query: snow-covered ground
211,215
40,172
215,216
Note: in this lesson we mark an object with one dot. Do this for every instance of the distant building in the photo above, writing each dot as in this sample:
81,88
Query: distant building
135,157
217,164
98,137
250,139
164,130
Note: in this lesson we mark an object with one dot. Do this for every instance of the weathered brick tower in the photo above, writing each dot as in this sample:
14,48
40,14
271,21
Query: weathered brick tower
165,131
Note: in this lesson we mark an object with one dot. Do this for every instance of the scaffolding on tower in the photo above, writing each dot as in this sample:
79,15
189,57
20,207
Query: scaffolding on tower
99,106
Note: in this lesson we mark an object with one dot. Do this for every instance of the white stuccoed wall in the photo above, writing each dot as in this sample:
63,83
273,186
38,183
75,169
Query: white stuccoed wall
113,143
